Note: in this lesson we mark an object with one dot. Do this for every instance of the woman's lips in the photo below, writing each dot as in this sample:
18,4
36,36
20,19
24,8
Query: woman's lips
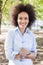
22,24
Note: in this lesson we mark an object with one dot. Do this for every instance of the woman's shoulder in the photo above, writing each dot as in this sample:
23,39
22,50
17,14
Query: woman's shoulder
11,31
31,33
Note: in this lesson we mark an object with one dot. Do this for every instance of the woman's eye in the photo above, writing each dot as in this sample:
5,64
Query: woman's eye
23,18
26,18
20,18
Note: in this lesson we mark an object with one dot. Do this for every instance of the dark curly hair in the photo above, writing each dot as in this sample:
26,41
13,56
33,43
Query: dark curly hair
15,10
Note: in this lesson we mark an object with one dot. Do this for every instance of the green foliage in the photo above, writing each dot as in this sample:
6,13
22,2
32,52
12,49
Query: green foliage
42,27
38,4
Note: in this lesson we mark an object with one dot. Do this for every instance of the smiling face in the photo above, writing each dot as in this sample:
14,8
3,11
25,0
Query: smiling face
23,20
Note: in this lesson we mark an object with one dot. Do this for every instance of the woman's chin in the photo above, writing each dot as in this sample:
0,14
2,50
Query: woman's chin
22,27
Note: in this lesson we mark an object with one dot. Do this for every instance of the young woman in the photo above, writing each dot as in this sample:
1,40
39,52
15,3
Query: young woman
20,44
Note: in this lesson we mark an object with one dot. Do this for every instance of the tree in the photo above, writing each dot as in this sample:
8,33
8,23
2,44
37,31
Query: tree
38,4
0,14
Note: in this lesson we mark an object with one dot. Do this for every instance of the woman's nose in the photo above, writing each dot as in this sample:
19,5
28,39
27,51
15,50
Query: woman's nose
23,20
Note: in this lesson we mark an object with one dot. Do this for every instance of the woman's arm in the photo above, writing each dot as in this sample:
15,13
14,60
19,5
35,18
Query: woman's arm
33,52
9,46
31,55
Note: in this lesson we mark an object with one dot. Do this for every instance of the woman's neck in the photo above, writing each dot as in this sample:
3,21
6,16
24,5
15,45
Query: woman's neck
22,30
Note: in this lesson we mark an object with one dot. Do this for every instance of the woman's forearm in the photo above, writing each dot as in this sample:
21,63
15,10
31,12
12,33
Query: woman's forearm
31,55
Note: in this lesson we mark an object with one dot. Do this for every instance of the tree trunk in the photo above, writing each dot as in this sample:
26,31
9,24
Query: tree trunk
0,14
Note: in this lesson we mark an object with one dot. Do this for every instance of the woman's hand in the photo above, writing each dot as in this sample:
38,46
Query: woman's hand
24,52
17,57
31,55
27,54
